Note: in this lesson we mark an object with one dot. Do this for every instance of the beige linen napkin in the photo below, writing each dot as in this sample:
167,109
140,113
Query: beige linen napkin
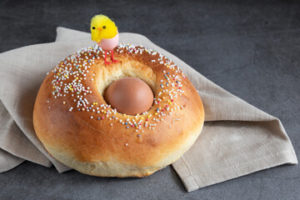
237,138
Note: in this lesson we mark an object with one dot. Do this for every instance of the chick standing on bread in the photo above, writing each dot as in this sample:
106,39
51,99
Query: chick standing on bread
105,33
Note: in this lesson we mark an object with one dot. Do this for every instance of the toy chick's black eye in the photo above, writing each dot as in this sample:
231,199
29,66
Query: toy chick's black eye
93,27
104,27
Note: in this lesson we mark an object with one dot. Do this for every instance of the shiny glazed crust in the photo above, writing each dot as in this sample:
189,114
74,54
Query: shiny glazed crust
78,128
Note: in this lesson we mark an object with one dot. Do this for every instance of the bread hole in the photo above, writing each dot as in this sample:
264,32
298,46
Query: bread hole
128,69
107,75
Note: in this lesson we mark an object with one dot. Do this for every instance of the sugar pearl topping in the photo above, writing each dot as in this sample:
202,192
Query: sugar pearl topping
71,75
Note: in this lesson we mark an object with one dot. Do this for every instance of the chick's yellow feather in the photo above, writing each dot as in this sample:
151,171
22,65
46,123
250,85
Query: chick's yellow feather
102,27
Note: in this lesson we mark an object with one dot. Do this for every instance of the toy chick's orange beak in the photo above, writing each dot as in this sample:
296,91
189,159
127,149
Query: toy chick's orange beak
99,29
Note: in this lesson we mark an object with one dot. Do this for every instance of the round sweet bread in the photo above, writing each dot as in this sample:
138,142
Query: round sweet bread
81,130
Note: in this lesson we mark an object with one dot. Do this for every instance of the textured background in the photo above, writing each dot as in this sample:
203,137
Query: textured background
251,48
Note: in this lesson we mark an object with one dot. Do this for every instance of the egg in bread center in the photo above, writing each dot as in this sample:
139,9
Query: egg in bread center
129,96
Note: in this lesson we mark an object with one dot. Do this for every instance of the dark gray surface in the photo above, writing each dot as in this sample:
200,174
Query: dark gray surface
250,48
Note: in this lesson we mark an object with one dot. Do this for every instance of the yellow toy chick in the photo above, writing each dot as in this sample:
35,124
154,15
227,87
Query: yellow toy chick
105,33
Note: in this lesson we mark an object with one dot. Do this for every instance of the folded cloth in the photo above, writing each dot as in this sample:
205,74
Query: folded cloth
237,138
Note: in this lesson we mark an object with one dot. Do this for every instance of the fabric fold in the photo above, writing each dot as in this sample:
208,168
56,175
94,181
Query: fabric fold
13,141
8,161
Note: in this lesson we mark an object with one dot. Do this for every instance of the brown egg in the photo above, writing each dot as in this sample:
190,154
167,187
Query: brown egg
129,96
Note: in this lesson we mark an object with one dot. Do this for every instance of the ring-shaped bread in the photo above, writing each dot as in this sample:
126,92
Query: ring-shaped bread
79,129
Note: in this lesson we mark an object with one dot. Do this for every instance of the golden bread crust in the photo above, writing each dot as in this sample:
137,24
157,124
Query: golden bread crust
78,128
